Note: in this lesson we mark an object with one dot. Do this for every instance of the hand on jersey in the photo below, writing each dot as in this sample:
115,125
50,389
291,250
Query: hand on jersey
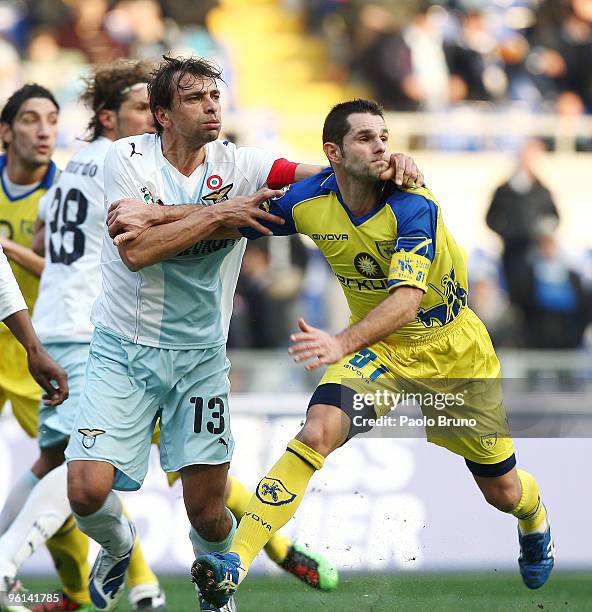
129,217
45,370
246,211
316,345
403,170
6,245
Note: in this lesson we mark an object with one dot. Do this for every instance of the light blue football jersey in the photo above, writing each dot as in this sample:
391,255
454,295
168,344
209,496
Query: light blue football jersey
186,301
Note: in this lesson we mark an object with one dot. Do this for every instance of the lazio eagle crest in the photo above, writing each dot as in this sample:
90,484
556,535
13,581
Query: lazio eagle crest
89,436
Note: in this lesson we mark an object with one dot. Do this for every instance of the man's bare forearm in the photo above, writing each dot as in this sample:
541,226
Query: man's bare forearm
160,242
24,256
396,311
19,323
170,214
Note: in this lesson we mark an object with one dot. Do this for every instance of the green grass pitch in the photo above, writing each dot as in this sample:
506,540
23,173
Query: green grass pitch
491,592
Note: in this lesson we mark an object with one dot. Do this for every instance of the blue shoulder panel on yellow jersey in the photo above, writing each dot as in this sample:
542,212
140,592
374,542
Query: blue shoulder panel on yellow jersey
306,189
417,219
46,182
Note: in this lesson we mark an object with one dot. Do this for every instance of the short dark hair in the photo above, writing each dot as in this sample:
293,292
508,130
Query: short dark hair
20,96
108,87
166,78
336,123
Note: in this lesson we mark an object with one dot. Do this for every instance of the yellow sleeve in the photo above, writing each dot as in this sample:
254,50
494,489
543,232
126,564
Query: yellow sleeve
409,269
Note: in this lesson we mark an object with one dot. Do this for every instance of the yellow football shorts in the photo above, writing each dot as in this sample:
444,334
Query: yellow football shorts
17,384
453,374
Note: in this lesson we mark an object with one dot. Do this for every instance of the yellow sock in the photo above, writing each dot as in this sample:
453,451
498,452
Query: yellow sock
530,512
139,571
69,550
238,500
276,499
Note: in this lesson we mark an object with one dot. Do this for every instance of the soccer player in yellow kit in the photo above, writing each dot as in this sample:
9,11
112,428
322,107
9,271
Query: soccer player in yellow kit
28,129
405,279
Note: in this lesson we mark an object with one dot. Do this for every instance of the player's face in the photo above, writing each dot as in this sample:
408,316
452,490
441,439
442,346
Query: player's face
32,136
134,117
195,111
364,147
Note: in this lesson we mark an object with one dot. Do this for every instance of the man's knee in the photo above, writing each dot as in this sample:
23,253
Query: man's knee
324,431
502,495
89,483
49,459
203,492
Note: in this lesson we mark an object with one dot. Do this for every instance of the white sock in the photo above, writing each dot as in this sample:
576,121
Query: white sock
44,512
203,547
108,526
16,499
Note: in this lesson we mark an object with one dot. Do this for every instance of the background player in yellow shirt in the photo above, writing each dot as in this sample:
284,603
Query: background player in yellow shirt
405,280
28,130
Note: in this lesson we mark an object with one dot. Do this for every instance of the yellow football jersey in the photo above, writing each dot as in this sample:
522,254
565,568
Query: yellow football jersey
17,220
403,241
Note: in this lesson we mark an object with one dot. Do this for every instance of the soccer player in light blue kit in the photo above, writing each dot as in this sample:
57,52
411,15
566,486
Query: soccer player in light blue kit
159,346
162,319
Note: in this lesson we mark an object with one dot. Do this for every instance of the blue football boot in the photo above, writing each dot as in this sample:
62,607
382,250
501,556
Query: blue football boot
217,576
537,557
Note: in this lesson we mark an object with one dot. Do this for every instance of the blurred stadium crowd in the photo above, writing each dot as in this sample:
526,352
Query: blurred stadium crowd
434,54
409,55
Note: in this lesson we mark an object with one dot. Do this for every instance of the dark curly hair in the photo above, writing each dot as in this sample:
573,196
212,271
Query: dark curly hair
108,86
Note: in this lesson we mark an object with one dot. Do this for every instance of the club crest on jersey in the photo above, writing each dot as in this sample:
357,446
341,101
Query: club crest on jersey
273,492
221,195
367,266
385,248
489,440
89,436
27,227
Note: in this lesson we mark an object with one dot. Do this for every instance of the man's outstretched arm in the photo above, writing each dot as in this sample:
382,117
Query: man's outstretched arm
127,219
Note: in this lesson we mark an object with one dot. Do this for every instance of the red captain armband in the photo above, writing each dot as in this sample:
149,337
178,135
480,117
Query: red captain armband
282,173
